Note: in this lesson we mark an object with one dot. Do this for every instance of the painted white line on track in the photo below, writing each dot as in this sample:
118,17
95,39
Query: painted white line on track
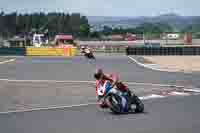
174,93
151,66
152,96
90,82
147,97
192,90
7,61
47,81
48,108
63,107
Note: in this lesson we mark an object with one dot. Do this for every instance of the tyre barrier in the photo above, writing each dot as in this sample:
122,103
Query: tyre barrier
163,51
69,51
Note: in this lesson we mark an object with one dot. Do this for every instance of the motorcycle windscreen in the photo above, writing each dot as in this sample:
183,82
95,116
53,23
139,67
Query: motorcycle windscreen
104,89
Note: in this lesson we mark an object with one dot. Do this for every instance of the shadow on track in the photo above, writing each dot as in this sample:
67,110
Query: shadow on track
128,113
107,111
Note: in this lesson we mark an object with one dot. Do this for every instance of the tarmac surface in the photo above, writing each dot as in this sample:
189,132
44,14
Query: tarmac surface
43,90
78,68
174,115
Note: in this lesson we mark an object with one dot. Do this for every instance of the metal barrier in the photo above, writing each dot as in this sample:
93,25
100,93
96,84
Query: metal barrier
12,51
43,51
107,48
163,50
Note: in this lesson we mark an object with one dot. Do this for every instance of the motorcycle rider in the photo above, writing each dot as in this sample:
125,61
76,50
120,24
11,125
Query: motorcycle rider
101,77
87,52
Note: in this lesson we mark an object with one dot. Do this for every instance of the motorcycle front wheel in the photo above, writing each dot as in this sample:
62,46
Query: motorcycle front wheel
114,102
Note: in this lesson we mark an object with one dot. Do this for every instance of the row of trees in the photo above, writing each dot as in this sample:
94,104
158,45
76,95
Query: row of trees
75,24
145,28
51,23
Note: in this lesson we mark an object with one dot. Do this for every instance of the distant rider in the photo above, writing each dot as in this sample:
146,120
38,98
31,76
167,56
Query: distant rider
87,52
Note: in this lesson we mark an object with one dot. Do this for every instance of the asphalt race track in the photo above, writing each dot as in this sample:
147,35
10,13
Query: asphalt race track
78,68
171,114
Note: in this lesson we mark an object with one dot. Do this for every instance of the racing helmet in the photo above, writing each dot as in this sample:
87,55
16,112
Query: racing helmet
98,73
82,47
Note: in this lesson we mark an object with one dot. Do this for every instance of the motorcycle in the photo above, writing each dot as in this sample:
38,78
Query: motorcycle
117,101
88,54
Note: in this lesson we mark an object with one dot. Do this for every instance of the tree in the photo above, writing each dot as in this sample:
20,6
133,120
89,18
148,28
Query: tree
84,27
13,23
107,30
95,34
85,30
192,28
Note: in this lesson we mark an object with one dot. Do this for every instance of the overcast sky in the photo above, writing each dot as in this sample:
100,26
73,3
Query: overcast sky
106,7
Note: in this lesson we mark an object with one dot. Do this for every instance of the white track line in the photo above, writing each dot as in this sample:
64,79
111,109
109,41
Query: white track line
152,96
48,81
48,108
90,82
70,106
7,61
150,67
175,93
192,90
147,97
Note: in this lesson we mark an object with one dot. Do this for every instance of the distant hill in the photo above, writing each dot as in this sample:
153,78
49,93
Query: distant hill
103,19
176,21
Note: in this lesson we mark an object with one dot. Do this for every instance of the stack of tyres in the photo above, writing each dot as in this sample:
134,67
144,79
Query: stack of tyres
32,51
44,51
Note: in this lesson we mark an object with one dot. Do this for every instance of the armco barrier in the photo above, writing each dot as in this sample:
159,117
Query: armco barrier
163,50
31,51
114,49
108,48
12,51
44,51
73,51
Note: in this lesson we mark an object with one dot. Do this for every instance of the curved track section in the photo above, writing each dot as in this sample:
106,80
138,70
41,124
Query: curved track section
79,68
165,115
170,114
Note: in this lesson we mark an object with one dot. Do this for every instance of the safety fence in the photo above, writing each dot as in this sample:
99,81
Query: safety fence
107,48
12,51
182,50
43,51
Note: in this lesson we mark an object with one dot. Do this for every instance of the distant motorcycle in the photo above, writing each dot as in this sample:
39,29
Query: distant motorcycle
117,101
88,54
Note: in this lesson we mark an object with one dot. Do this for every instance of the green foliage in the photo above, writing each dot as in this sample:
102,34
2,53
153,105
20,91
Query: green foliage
95,34
156,28
193,28
107,30
54,23
146,28
84,30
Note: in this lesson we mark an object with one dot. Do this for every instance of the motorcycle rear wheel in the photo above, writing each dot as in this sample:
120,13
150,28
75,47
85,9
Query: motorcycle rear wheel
138,103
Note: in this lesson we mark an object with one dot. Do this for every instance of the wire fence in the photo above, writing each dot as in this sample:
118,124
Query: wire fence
163,50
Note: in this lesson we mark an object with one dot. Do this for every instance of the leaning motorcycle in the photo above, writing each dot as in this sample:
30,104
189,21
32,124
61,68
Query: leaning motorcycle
117,101
88,54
